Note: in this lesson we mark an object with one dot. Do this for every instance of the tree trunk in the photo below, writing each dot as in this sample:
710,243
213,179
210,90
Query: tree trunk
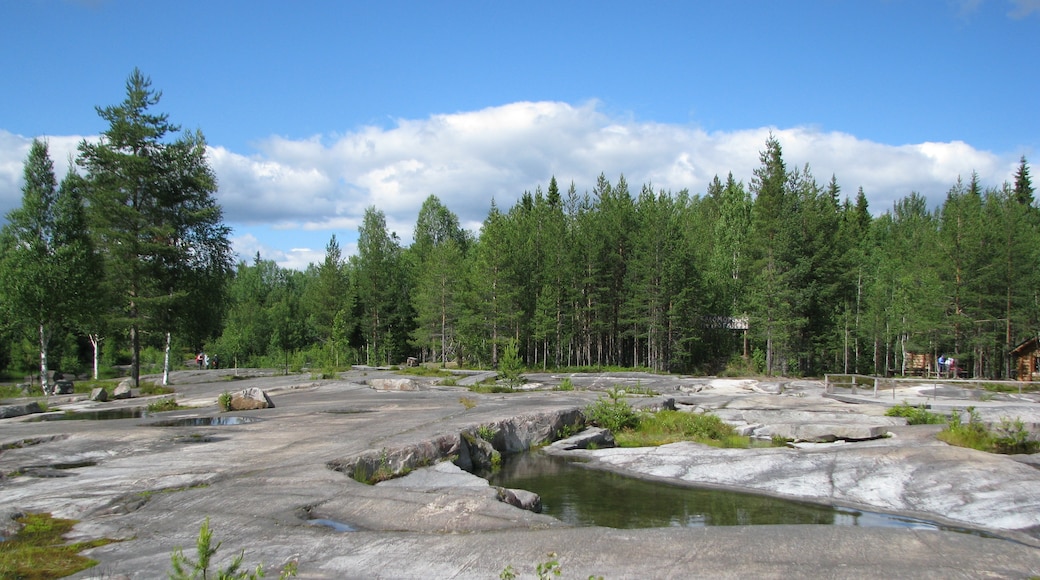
166,362
95,341
43,359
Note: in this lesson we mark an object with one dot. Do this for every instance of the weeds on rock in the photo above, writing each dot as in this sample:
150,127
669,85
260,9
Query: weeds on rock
487,432
1010,437
224,400
38,551
164,404
467,402
545,570
612,412
565,385
185,568
918,415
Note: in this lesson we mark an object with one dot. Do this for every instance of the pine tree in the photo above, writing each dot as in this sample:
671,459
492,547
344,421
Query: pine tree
155,219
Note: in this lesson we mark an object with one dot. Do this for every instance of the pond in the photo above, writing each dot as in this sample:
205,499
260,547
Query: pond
205,421
590,497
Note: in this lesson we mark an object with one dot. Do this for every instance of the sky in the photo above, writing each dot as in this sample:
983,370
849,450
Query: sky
316,110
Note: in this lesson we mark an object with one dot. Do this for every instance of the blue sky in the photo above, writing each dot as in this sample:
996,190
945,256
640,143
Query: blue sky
316,110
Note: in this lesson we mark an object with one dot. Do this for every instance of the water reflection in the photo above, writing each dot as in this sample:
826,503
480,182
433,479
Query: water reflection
589,497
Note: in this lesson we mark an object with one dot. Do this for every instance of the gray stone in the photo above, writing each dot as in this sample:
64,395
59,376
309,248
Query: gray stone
99,394
249,399
8,411
773,388
482,454
521,498
394,385
64,387
591,437
123,391
822,432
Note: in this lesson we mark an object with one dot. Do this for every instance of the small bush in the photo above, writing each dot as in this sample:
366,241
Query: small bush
1010,437
467,402
185,568
164,404
915,415
565,385
487,432
612,412
224,400
150,388
667,426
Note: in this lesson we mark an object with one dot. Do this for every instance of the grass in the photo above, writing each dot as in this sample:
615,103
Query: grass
423,371
487,388
467,402
1010,437
164,404
39,551
919,415
664,427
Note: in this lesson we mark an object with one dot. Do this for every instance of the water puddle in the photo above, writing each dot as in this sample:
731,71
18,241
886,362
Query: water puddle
205,421
589,497
336,526
97,415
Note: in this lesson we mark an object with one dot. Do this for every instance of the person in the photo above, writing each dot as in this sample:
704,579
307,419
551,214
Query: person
942,364
216,362
205,360
198,360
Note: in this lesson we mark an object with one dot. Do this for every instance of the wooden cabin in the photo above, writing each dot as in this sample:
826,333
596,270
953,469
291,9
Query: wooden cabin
1027,360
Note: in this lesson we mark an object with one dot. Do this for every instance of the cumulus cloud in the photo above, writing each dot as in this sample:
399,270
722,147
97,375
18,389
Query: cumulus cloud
467,159
324,184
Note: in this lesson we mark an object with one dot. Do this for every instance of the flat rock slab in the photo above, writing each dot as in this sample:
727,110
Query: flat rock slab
260,484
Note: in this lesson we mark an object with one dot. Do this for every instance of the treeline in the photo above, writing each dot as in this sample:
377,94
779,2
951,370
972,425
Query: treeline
128,260
667,281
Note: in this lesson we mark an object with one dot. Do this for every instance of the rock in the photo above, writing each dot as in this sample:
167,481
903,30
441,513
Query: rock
653,404
393,385
520,433
771,388
99,394
521,498
8,411
123,391
443,475
482,455
249,399
64,387
597,437
823,432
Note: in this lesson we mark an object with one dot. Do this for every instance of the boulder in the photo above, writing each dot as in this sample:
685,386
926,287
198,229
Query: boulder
521,498
64,387
8,411
99,394
393,384
482,455
123,391
251,398
597,437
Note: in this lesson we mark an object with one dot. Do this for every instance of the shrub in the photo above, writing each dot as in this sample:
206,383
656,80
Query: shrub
164,404
185,568
487,432
565,385
1010,437
915,415
668,426
612,412
224,400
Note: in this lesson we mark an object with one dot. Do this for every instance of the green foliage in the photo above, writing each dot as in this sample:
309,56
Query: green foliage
668,426
184,568
39,551
546,570
487,432
918,415
224,401
612,412
164,404
511,366
467,402
1010,437
565,385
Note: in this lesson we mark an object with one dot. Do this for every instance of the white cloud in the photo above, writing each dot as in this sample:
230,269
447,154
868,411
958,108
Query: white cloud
324,184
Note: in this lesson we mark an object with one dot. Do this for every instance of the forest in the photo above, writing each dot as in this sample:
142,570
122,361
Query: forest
127,262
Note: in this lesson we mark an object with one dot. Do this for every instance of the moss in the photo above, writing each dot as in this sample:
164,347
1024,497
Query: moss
38,551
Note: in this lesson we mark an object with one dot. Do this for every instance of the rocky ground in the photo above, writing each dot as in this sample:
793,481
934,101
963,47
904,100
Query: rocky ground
266,484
